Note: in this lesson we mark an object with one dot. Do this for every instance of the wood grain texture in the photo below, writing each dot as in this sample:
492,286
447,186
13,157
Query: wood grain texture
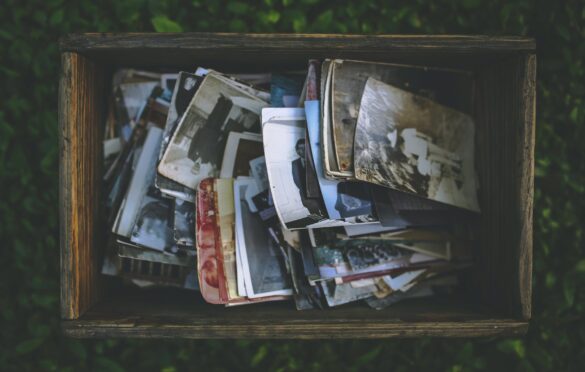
505,144
257,52
252,42
136,315
80,123
525,188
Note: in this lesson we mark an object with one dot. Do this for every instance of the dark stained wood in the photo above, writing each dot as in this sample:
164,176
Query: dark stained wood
505,143
258,51
128,315
525,188
235,42
498,300
80,123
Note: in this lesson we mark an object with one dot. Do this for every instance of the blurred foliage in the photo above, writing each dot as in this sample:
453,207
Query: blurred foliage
29,68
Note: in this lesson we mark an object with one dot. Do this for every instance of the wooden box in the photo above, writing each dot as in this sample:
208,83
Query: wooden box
498,296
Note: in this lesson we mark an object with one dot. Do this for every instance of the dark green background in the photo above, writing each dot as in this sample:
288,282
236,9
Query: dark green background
29,66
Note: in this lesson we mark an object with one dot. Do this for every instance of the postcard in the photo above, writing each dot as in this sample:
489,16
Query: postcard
196,148
412,144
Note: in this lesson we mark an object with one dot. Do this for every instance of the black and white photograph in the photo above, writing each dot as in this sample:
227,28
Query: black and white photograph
259,173
284,149
142,179
240,149
342,199
153,223
264,267
184,223
196,149
409,143
184,90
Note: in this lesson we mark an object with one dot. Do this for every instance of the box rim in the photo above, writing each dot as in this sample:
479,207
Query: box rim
96,41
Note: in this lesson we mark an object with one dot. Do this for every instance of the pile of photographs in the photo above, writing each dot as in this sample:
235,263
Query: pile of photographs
346,181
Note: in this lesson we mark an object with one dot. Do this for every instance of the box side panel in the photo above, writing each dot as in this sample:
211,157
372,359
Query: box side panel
525,186
259,51
80,123
134,314
505,137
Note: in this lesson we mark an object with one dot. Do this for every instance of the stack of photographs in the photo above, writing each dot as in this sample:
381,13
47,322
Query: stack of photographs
349,181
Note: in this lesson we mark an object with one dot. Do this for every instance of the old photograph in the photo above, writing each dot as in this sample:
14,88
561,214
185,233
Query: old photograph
330,164
153,223
241,148
196,149
412,144
342,199
448,87
284,148
142,179
184,90
259,173
264,265
184,223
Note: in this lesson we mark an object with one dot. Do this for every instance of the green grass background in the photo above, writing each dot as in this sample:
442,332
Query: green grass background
29,65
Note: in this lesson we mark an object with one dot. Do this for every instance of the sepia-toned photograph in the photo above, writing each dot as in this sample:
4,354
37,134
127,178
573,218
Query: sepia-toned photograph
349,79
196,149
412,144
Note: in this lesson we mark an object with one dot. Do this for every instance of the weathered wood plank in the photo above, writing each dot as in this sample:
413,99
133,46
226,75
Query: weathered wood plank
505,143
525,164
203,41
297,330
176,314
80,123
258,52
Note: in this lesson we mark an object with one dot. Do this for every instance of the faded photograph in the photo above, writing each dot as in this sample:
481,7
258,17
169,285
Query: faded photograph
184,90
196,149
259,173
284,146
412,144
152,228
241,148
264,265
448,87
184,223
